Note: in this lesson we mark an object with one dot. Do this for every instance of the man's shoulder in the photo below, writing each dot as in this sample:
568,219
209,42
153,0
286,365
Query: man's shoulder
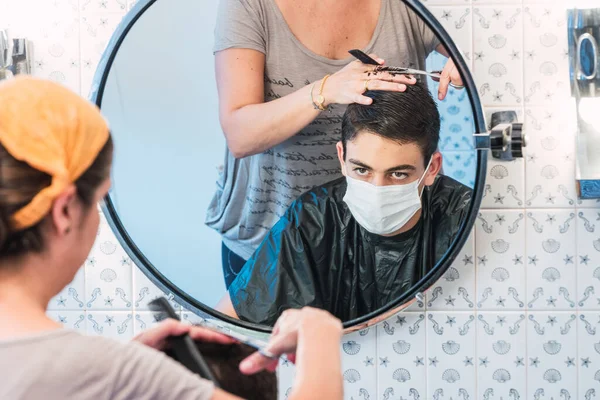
331,193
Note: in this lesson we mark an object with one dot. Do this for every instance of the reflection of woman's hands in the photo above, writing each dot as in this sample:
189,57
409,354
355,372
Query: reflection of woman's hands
449,75
156,337
294,329
348,84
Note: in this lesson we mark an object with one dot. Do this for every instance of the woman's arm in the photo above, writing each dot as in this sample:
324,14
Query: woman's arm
226,307
252,125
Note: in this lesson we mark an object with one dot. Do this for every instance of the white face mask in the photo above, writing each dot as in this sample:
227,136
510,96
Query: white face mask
383,210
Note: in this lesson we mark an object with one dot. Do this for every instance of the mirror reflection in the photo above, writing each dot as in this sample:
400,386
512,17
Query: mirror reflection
267,168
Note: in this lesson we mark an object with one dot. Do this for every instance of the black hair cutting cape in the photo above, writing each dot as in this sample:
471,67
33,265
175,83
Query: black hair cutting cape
318,255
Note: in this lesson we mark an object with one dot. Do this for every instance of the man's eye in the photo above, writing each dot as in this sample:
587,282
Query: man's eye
399,176
361,171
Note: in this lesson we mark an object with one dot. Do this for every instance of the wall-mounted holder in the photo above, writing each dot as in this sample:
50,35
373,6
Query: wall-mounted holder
5,70
584,64
507,137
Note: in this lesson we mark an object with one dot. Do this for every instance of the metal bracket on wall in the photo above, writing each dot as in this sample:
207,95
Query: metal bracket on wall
506,138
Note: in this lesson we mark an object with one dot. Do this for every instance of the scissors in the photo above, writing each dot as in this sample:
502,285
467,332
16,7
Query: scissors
366,59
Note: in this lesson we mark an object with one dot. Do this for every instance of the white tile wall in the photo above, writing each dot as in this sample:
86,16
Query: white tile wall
517,315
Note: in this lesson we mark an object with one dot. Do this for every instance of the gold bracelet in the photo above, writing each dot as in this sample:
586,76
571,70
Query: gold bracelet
320,99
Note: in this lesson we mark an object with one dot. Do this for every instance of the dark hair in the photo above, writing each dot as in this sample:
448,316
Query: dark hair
405,117
224,361
19,183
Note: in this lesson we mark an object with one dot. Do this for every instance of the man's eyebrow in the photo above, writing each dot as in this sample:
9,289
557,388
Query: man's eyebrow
402,167
359,163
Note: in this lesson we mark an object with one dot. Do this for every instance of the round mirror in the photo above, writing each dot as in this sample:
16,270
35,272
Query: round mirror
186,209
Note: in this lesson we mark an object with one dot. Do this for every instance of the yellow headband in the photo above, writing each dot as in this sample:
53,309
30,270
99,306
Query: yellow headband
54,131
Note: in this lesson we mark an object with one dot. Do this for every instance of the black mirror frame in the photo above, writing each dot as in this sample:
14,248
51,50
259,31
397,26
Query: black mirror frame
191,304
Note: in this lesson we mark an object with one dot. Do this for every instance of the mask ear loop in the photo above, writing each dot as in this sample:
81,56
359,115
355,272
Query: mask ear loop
423,177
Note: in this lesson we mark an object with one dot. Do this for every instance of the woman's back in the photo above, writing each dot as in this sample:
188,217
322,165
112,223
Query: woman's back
63,364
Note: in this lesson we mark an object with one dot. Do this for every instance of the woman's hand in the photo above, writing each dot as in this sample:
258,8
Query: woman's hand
292,328
156,337
449,75
348,84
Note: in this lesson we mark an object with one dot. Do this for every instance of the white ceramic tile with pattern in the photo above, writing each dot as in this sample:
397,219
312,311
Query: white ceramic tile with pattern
108,274
502,355
359,364
505,180
500,259
75,320
497,52
114,324
102,6
143,320
458,23
546,55
550,158
145,291
451,343
587,261
456,289
460,165
72,297
56,48
552,355
402,357
96,31
550,259
588,354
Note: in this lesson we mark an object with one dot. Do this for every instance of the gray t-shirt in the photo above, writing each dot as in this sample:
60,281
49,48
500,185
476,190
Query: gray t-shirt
64,364
254,192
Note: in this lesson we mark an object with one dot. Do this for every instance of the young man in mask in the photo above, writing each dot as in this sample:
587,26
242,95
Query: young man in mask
356,243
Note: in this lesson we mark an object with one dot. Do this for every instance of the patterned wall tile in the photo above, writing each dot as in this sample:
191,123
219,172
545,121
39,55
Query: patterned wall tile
75,320
451,339
551,256
102,6
145,291
546,55
460,165
588,354
56,49
550,158
72,297
96,31
502,355
402,357
497,54
587,261
501,260
458,23
114,324
108,274
456,289
505,180
552,355
359,364
142,321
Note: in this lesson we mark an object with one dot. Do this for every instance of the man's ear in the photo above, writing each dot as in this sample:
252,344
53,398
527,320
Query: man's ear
64,211
434,168
340,152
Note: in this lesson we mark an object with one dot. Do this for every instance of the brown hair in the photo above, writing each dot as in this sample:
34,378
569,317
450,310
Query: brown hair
224,361
19,183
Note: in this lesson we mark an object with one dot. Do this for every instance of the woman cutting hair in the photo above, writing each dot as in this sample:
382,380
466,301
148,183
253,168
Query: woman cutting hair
284,78
55,159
